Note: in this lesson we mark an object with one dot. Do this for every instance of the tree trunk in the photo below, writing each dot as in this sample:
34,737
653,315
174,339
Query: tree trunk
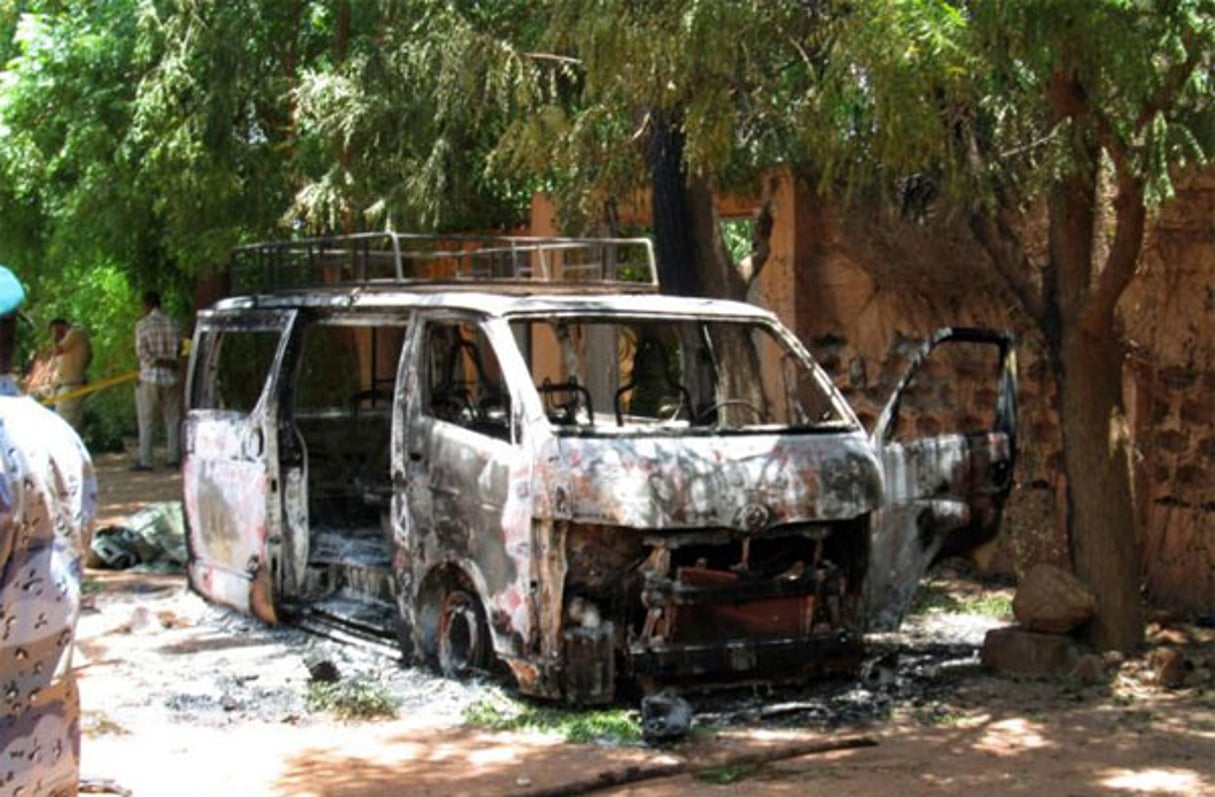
692,257
1087,353
693,261
340,49
674,242
1096,449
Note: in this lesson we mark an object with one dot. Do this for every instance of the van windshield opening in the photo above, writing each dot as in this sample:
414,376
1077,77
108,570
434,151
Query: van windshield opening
606,374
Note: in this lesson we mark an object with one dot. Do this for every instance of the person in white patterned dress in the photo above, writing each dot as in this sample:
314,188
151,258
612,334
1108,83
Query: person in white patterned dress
48,500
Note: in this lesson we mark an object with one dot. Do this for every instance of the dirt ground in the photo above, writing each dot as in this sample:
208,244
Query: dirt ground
183,698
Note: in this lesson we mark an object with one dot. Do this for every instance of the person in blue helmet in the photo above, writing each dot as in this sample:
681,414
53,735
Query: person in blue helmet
48,498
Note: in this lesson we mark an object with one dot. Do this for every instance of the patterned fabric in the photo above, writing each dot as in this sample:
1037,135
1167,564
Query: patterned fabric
157,343
47,503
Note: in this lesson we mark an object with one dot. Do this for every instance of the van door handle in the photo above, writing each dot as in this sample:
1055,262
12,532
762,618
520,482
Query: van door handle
415,456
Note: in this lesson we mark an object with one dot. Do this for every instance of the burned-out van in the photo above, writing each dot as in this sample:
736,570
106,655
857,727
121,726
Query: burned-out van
516,451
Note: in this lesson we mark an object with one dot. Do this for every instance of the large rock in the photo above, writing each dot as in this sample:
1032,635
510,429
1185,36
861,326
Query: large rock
1053,601
1015,651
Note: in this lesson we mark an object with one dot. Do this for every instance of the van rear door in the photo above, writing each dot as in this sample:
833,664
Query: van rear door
947,441
231,479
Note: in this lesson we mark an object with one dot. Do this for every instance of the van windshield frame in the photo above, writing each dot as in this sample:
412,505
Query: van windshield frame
643,374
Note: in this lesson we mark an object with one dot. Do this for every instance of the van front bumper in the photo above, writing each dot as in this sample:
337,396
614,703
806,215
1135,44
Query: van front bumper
784,659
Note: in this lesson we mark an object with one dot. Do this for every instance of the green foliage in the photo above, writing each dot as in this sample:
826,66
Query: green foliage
858,95
352,699
936,598
68,187
501,713
157,135
730,72
737,235
938,716
964,93
212,118
402,133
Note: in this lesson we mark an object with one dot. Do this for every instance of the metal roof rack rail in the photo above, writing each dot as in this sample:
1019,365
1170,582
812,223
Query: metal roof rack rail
387,259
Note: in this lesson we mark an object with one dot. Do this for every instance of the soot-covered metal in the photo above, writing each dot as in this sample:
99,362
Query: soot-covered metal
584,487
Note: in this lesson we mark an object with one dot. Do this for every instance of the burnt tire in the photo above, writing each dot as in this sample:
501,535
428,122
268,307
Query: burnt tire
464,644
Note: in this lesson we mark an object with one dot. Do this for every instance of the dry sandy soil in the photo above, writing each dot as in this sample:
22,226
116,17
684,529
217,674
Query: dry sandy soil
182,698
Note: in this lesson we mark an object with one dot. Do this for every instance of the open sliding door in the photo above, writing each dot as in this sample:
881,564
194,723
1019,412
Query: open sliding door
231,472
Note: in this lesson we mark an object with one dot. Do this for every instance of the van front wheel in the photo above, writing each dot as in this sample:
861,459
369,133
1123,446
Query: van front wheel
464,643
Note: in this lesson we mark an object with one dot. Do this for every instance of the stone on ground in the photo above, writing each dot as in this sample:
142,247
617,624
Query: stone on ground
1015,651
1051,600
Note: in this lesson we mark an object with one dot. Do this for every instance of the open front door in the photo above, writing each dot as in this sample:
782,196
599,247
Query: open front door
948,442
231,475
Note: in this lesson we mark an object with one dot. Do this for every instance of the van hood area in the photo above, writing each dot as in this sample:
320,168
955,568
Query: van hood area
747,482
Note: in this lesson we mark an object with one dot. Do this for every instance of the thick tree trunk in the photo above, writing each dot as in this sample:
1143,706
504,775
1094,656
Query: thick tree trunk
674,241
1087,353
692,257
693,261
1096,449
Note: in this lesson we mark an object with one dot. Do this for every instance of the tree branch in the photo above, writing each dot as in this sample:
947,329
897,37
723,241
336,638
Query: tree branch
561,59
1166,92
995,234
761,239
1014,266
610,779
1130,210
1130,214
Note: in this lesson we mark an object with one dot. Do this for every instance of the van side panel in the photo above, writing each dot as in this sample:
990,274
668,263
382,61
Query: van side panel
230,470
227,509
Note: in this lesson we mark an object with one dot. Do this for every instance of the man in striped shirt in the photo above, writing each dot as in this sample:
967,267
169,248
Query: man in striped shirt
157,345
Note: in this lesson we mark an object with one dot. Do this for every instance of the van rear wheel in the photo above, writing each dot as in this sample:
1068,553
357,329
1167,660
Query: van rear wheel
464,643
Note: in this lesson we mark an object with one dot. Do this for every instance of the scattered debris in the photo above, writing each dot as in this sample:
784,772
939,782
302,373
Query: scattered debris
322,670
665,717
1170,667
746,760
153,538
102,786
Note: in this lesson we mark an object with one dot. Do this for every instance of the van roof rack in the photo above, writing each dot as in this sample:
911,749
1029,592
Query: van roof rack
389,258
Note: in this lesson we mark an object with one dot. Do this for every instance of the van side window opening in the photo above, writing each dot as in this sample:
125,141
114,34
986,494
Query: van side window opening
343,366
329,370
464,381
341,408
604,374
953,393
238,363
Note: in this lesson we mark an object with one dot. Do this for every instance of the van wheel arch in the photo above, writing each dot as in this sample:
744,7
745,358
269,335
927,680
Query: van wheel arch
451,633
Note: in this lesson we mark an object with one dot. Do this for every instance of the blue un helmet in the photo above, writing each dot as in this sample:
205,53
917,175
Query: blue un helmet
11,292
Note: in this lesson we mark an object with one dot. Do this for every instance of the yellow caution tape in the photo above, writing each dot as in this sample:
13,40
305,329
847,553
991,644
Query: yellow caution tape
91,387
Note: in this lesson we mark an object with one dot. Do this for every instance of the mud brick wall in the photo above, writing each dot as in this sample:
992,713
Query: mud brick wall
870,291
1170,317
1175,442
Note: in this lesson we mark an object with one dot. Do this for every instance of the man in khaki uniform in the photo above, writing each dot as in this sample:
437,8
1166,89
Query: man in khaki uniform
48,498
72,354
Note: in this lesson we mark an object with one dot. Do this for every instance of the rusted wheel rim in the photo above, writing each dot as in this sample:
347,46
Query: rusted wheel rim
461,644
